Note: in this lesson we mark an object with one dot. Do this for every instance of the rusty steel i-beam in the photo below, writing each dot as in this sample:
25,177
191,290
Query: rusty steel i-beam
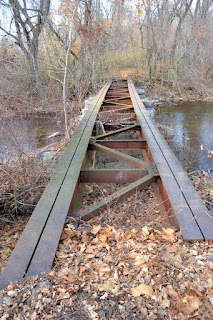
116,110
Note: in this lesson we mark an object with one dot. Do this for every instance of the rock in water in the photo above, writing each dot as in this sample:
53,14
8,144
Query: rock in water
141,91
46,153
148,103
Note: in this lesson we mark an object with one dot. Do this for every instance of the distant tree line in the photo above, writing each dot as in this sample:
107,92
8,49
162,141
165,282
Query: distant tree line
70,50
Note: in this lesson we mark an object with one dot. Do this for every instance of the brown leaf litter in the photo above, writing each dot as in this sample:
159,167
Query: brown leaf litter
125,264
109,273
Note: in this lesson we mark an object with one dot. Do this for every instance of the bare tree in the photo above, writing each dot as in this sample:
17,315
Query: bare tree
26,20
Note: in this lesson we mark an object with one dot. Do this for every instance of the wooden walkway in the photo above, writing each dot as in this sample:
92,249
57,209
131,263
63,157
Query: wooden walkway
117,109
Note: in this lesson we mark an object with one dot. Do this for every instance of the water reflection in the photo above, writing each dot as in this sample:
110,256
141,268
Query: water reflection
26,134
192,124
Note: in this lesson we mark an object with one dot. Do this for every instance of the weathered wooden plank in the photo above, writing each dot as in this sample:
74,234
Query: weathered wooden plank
188,225
120,176
117,196
45,252
24,250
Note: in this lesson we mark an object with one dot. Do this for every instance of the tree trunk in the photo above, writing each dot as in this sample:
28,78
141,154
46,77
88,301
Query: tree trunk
35,74
29,18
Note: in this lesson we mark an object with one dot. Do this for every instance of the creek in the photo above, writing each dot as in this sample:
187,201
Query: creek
26,134
187,126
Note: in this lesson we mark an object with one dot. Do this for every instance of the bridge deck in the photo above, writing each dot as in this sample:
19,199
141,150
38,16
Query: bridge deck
117,106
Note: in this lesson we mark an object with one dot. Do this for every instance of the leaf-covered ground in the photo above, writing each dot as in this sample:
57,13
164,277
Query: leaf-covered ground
108,273
125,264
9,235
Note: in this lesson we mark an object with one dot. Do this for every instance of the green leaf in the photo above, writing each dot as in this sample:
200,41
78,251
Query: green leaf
6,252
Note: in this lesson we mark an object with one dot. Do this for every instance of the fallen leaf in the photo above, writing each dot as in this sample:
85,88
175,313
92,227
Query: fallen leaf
128,234
72,276
174,259
142,289
102,237
95,229
89,189
5,316
12,293
83,247
152,237
171,292
84,236
168,234
108,286
141,259
173,248
145,231
192,291
165,303
89,256
104,296
33,315
187,305
69,231
90,249
104,269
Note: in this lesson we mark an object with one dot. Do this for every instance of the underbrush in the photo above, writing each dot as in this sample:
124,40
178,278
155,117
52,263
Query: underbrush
22,181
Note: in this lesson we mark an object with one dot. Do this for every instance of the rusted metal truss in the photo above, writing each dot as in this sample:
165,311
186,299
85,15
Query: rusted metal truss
142,173
122,112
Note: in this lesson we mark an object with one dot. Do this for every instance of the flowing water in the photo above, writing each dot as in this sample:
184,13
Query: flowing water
190,125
